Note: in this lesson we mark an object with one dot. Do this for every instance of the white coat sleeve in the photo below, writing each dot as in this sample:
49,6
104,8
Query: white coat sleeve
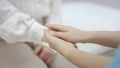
16,26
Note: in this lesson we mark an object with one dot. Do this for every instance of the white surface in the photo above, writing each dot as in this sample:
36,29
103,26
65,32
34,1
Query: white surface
86,16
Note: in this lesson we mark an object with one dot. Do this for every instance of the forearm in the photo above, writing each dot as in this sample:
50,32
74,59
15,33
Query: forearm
77,57
86,60
106,38
83,59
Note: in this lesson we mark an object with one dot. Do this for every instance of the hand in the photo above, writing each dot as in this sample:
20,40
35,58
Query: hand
63,47
77,57
45,53
69,33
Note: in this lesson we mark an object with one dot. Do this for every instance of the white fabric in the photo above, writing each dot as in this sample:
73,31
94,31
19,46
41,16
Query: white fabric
20,55
17,23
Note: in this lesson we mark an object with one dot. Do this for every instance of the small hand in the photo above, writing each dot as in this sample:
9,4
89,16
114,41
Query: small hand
45,53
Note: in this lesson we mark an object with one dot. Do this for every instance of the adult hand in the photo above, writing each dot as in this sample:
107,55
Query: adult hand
69,33
77,57
63,47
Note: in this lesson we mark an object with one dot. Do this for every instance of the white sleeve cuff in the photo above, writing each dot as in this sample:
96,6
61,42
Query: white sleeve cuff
21,28
36,33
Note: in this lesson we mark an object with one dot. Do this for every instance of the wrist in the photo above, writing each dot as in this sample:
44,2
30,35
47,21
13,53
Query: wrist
94,36
36,33
88,37
91,36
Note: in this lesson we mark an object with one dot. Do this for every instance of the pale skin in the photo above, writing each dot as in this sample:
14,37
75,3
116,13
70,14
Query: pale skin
106,38
62,42
44,53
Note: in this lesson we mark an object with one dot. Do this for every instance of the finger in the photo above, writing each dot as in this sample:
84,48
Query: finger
56,27
59,34
38,49
51,39
43,56
46,55
50,60
56,33
62,35
55,42
50,54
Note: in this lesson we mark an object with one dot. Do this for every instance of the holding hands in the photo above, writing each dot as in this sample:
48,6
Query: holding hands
70,34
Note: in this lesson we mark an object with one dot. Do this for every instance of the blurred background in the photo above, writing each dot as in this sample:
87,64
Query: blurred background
112,3
92,15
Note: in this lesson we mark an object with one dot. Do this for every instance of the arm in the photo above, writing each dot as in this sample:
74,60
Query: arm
106,38
86,60
16,26
79,58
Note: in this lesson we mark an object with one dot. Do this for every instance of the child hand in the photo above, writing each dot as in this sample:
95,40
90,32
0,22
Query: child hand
45,53
69,33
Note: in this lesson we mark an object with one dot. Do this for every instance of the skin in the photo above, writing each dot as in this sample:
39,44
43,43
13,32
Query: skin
77,57
63,37
44,53
106,38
